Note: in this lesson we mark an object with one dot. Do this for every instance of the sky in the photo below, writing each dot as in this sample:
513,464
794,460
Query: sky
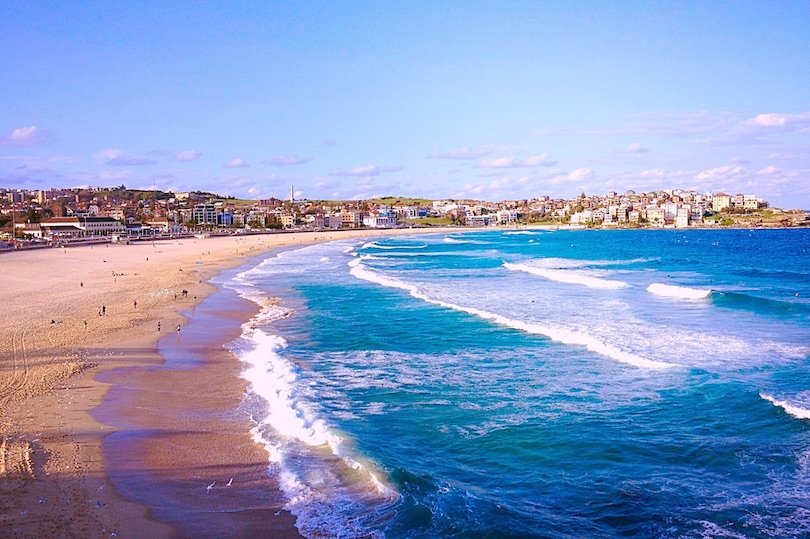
349,100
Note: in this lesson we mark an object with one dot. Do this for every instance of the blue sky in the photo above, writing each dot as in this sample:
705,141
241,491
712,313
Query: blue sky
490,100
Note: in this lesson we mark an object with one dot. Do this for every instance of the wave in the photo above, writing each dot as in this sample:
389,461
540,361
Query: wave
435,253
792,409
377,245
450,239
739,300
680,292
291,423
521,233
570,263
562,335
568,276
777,274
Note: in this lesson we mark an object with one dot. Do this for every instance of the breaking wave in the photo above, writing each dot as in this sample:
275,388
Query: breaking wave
563,335
680,292
792,409
583,278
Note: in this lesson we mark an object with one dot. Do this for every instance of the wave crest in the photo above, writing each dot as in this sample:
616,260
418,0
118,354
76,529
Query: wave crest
562,335
680,292
568,276
791,409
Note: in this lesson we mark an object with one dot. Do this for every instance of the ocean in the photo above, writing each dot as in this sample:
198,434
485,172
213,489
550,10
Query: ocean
536,383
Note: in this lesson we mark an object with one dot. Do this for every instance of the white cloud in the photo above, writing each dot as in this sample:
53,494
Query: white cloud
236,163
287,160
580,174
22,136
501,188
187,155
653,174
636,148
724,172
120,158
780,120
770,170
365,171
538,160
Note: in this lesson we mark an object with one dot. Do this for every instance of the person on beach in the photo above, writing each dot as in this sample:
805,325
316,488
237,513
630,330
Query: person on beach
178,328
158,327
103,309
135,304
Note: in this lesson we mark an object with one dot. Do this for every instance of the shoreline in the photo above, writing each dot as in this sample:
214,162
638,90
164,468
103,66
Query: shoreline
184,447
56,352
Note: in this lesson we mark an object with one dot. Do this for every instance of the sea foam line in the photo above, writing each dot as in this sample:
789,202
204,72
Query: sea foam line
795,411
562,335
451,239
568,276
680,292
275,380
569,263
377,245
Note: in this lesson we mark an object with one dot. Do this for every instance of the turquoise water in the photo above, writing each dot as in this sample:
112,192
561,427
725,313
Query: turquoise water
538,383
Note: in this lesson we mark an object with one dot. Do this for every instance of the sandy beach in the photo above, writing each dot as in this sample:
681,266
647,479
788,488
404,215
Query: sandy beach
81,328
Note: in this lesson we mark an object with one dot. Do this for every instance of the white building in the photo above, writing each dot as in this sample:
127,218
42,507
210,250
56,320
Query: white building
683,216
380,221
506,217
82,226
204,214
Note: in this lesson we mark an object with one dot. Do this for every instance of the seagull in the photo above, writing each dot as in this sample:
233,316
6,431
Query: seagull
230,482
209,487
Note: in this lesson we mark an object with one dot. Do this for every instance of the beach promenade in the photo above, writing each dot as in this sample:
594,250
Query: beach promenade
79,324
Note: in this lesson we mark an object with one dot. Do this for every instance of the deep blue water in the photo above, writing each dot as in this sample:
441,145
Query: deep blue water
538,383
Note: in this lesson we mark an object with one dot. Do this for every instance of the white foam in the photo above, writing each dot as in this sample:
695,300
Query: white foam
521,233
680,292
562,335
403,254
377,245
568,276
569,263
451,239
795,411
292,423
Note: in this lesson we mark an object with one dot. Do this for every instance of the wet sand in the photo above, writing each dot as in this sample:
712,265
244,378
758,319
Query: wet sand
75,337
182,448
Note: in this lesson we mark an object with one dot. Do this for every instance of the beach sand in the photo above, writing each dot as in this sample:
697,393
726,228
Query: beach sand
80,328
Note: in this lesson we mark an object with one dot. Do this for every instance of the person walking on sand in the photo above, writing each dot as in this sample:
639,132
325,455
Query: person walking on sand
135,304
178,328
103,309
158,327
